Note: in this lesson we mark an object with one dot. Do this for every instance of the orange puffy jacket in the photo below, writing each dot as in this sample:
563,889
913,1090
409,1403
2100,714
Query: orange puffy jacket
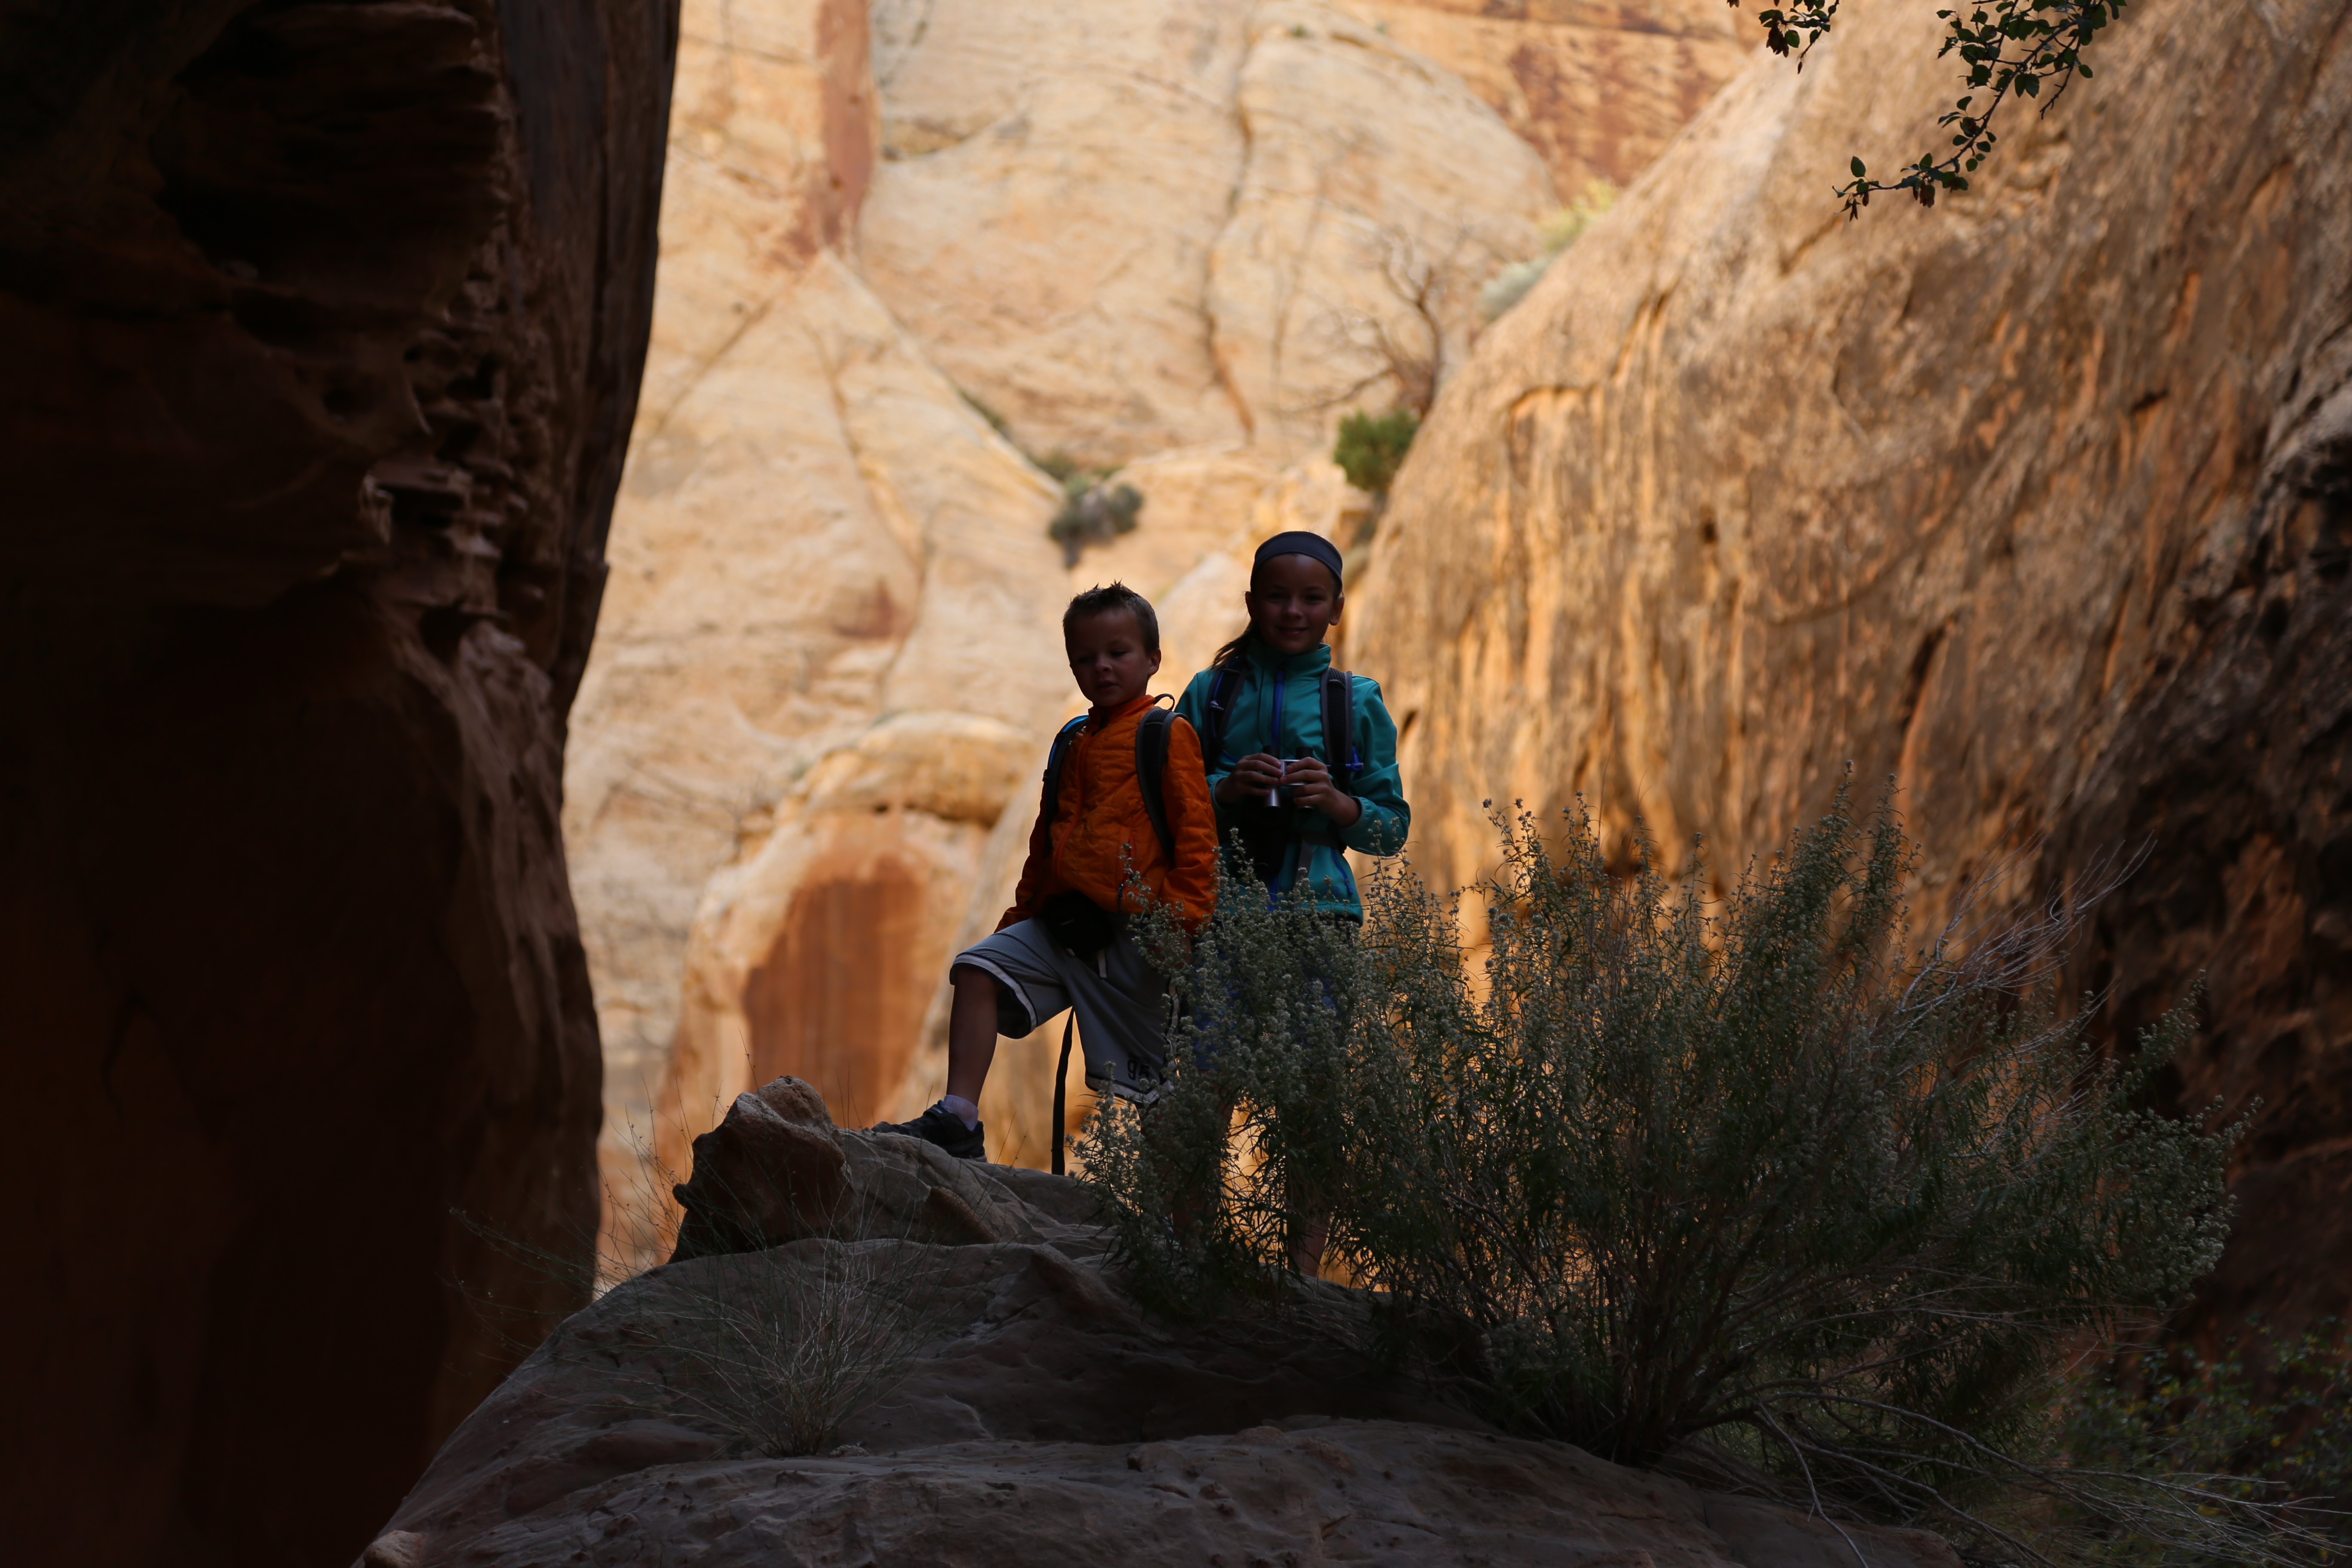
1100,829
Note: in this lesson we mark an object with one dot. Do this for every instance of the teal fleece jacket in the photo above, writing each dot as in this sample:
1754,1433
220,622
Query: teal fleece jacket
1279,709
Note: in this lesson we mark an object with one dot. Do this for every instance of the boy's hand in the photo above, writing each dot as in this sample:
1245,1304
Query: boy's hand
1309,784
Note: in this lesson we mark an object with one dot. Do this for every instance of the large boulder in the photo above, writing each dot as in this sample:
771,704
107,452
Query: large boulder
2036,503
1035,1416
322,325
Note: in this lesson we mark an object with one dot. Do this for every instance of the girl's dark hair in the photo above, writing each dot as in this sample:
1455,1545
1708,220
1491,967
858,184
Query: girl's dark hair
1118,596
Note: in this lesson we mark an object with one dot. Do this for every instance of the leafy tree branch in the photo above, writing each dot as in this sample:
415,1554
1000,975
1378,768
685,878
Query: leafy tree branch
2010,49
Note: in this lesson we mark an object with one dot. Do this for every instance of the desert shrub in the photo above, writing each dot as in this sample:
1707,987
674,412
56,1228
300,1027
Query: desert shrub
1753,1188
1510,285
1211,1184
1094,511
2271,1422
773,1347
1560,231
778,1347
1370,448
995,421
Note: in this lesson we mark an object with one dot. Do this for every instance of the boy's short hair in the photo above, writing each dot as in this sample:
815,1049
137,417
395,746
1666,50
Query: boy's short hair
1118,596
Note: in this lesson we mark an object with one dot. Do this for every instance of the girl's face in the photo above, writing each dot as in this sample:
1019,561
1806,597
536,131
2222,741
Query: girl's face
1293,600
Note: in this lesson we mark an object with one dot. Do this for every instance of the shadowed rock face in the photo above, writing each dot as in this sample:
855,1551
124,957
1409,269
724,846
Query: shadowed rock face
1041,1417
323,325
2037,502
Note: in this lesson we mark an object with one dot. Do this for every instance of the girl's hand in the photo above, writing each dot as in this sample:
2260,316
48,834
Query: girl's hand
1310,785
1252,777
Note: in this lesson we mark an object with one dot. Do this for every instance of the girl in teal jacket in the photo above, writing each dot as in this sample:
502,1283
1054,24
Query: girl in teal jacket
1296,795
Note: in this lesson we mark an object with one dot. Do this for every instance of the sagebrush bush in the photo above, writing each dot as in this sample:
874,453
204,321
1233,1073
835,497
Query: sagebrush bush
1262,1065
777,1347
1560,231
1753,1188
2269,1422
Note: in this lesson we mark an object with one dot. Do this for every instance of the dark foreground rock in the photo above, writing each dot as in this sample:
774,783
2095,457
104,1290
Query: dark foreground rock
321,326
1042,1419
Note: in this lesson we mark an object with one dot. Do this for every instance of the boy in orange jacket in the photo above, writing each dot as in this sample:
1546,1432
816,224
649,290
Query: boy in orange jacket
1063,942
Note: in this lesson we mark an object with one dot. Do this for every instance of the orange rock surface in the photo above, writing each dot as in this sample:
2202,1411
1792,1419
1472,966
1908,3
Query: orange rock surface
2036,503
1599,89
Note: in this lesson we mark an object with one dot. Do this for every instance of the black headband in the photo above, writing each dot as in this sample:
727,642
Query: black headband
1298,541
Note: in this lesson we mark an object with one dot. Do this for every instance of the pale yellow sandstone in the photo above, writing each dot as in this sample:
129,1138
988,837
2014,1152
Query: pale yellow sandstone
897,564
1054,176
1377,194
816,530
1181,236
821,948
1136,225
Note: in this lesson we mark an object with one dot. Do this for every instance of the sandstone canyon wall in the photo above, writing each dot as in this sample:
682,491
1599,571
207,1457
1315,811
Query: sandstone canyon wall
908,250
1599,89
2037,502
323,325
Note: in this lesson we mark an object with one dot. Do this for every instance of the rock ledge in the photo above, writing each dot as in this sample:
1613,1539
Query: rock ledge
1048,1420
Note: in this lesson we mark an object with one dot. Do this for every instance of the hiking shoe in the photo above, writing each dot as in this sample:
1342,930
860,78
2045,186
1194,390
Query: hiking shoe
943,1127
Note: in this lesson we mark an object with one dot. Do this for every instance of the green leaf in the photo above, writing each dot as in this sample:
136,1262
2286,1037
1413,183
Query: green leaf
1858,170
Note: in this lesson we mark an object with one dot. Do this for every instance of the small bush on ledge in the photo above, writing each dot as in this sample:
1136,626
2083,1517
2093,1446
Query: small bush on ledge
1752,1189
1371,448
1094,511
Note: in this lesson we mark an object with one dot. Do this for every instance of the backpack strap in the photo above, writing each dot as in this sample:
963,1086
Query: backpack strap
1339,727
1222,693
1049,799
1151,773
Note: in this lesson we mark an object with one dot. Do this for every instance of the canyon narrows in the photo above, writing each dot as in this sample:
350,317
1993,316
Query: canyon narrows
911,250
323,325
374,836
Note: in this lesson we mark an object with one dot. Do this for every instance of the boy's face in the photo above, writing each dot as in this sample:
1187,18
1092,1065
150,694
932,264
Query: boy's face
1108,658
1293,601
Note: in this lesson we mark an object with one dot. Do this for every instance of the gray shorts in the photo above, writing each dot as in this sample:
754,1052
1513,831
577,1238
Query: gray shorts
1122,1001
